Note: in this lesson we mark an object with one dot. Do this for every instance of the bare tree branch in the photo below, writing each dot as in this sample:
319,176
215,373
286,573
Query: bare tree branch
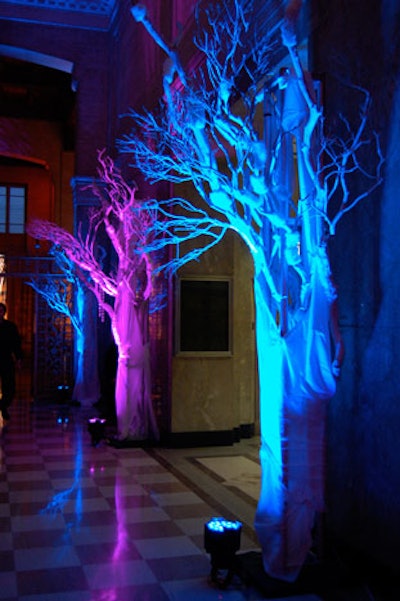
279,182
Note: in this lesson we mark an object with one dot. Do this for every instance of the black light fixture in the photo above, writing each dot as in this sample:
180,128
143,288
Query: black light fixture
63,393
63,420
96,429
222,540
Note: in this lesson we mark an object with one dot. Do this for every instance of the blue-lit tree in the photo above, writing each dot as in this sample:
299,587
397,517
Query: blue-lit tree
123,291
64,293
282,185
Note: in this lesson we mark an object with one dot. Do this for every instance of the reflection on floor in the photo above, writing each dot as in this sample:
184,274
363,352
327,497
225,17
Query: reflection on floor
95,523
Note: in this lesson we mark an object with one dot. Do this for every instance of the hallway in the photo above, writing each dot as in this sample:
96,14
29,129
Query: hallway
85,523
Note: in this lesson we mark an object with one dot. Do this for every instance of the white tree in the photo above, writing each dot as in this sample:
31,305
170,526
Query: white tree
123,292
65,294
283,191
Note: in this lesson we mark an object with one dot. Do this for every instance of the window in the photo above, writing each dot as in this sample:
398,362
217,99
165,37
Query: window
204,316
12,209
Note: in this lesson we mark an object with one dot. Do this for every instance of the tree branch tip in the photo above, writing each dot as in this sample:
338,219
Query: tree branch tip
139,12
289,38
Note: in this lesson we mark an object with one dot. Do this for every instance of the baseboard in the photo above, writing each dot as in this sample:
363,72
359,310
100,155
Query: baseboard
211,438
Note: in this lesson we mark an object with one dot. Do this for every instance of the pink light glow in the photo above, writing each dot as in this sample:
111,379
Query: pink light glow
122,543
123,292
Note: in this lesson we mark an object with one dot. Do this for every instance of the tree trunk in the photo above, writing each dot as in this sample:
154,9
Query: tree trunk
135,415
86,386
296,381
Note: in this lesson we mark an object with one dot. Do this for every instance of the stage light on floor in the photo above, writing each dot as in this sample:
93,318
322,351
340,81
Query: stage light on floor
97,430
221,541
63,393
63,421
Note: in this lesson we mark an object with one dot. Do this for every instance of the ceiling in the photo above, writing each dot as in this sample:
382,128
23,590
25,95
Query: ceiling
86,14
34,91
29,91
103,7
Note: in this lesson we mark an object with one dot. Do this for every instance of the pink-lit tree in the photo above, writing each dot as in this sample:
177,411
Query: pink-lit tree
282,185
123,292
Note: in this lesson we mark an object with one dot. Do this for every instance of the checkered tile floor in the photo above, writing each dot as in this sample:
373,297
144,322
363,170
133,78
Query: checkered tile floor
84,523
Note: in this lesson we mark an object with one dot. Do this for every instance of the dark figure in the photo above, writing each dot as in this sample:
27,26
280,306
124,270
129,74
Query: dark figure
10,357
107,382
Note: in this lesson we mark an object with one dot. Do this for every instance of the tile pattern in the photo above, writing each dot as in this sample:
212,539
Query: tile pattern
85,523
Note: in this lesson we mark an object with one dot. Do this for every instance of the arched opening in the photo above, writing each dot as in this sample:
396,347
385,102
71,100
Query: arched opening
37,126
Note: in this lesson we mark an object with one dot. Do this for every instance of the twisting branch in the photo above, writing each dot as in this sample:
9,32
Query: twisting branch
206,133
277,191
57,288
127,225
345,156
180,224
81,252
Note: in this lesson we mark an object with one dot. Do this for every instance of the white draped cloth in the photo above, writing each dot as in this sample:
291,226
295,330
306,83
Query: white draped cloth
295,366
135,415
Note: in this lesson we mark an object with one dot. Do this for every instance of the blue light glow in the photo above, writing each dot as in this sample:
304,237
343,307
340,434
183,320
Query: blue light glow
221,524
60,499
274,192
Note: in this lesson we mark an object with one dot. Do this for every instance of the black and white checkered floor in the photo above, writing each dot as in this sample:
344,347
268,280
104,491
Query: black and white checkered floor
85,523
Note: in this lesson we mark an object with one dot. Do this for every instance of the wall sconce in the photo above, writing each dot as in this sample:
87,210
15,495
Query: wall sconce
97,430
222,540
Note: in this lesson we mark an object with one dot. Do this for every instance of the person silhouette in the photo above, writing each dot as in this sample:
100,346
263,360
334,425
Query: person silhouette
10,357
